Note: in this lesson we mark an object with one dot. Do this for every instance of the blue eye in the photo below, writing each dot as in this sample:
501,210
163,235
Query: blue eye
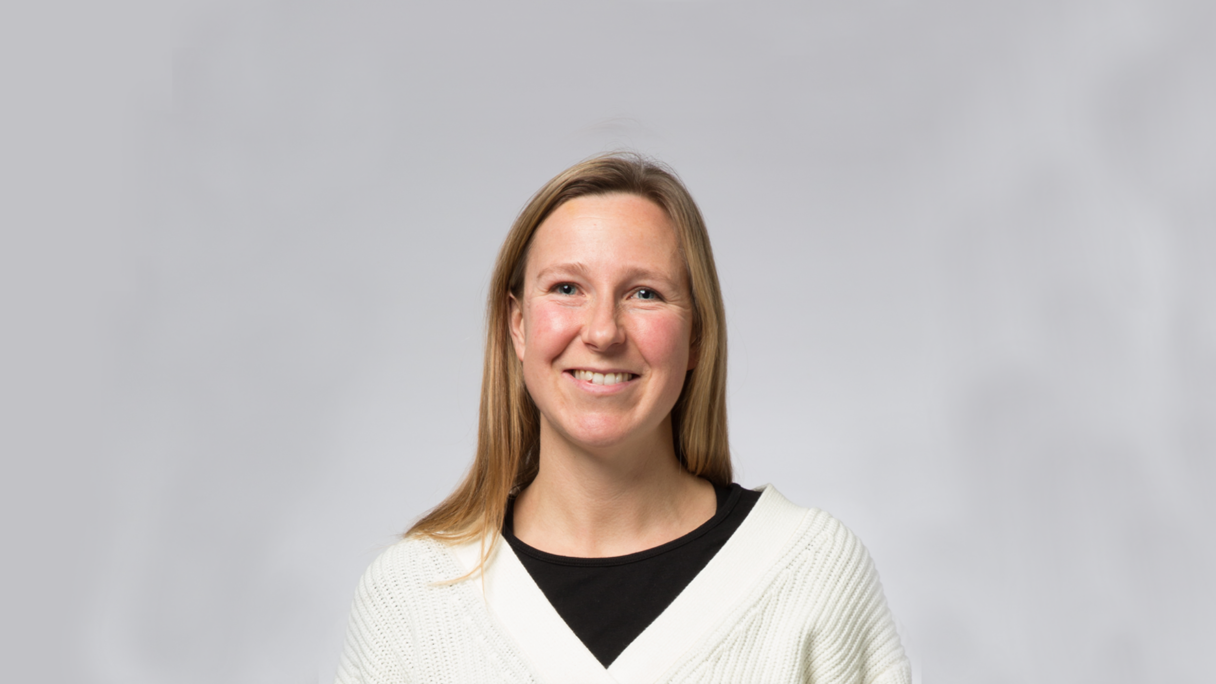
566,289
647,294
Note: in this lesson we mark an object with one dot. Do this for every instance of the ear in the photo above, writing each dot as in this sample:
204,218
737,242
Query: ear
694,354
515,321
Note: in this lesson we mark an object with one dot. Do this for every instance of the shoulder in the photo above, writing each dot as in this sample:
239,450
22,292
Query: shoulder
825,580
829,538
812,531
411,566
826,569
825,554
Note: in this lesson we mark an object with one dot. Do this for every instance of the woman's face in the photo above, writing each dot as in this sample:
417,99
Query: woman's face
603,322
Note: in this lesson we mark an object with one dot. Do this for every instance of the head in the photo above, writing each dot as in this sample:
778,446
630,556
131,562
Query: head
602,325
509,426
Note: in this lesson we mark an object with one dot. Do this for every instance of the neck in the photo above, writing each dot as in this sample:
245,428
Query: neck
610,502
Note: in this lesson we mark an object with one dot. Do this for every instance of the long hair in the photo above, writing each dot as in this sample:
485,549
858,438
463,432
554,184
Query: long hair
508,431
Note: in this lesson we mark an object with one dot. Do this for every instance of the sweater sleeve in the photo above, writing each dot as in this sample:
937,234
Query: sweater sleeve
854,640
374,652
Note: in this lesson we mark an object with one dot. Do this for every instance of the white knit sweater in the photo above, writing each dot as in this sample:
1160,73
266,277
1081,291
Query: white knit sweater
791,597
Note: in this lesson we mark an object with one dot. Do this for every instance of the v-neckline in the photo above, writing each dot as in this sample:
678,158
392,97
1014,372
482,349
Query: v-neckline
556,654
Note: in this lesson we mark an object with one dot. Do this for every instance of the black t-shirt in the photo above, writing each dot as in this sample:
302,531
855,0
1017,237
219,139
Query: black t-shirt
608,602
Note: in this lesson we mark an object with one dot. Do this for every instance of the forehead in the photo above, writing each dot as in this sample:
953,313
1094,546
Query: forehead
605,231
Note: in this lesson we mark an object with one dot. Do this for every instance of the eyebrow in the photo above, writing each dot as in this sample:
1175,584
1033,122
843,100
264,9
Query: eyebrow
575,267
579,268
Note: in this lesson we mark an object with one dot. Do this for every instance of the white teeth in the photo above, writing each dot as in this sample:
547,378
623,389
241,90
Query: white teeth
602,378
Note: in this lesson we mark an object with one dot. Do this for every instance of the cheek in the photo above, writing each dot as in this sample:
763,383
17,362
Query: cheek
550,330
663,342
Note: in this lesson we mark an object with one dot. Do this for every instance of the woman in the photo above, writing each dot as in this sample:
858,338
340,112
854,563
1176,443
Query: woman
602,462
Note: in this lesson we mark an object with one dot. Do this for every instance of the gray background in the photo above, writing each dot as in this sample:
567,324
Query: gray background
968,253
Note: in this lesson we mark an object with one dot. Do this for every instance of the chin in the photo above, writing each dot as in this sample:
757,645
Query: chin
598,439
600,434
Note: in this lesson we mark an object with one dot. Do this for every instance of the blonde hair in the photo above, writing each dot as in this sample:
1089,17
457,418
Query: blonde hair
508,432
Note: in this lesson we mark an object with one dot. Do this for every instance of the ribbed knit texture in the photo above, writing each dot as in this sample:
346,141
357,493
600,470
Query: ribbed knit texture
818,615
405,628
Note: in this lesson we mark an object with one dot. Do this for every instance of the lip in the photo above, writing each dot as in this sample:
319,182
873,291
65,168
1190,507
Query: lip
592,388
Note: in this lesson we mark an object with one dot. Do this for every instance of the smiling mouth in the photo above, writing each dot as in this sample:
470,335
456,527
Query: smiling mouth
602,378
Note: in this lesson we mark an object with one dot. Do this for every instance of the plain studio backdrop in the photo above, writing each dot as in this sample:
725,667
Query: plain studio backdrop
968,253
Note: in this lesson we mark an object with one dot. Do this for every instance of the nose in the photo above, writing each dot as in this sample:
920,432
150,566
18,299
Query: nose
602,330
